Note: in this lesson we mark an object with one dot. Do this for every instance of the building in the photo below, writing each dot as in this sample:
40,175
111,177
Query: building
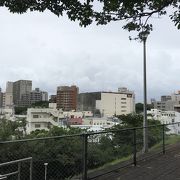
42,118
1,98
38,95
108,103
168,103
168,118
44,96
66,98
112,103
20,93
52,99
87,101
9,95
20,90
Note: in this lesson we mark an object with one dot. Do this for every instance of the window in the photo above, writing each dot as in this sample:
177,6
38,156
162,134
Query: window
123,98
123,110
123,106
123,102
35,116
37,125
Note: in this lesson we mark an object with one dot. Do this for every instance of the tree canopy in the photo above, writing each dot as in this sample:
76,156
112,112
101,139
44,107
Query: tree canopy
135,12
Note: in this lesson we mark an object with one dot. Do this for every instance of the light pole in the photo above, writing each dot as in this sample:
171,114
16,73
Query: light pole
144,36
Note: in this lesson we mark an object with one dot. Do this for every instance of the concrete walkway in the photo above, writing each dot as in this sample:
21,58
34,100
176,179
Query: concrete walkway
158,167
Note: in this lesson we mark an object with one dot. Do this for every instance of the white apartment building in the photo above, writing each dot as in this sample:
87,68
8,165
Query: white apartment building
42,118
167,117
97,124
116,103
45,118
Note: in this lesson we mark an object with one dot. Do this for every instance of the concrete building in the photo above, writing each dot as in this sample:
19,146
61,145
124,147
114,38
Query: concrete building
1,98
166,117
87,101
20,89
33,96
66,98
116,103
42,118
38,95
168,103
45,118
44,96
108,103
9,95
52,99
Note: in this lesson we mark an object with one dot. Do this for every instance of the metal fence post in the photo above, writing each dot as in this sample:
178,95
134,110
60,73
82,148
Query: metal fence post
134,145
85,137
163,138
19,170
45,170
30,169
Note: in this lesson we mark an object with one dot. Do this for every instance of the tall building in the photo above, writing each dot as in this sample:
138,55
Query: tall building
38,95
9,95
66,98
33,97
87,101
44,96
168,102
116,103
52,99
108,103
1,98
20,89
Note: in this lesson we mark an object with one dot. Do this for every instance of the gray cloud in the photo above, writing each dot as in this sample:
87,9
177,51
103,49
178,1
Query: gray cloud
54,51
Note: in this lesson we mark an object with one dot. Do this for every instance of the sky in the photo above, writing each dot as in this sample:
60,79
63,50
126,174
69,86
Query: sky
54,51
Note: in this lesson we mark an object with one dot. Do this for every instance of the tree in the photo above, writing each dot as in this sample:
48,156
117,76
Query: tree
139,107
20,110
8,129
135,12
136,120
42,104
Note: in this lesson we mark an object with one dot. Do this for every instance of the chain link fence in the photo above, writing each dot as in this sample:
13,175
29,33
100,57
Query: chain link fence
81,156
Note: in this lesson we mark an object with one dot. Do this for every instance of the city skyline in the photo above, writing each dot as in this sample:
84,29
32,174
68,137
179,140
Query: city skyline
53,51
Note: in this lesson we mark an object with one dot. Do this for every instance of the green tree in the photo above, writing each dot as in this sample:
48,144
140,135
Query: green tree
139,107
41,104
136,120
8,129
20,110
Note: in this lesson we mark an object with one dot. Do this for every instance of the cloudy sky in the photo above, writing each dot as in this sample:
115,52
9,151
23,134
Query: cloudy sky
54,51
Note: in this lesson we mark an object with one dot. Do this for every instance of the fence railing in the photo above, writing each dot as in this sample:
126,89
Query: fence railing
78,156
17,172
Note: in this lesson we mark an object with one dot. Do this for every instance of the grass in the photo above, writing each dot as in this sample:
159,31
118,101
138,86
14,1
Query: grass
169,139
114,162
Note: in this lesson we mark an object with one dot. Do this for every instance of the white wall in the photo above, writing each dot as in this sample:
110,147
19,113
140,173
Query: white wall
115,103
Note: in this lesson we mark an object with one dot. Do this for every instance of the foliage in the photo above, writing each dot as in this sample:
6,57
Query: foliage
20,110
64,154
42,104
139,107
135,12
136,120
8,129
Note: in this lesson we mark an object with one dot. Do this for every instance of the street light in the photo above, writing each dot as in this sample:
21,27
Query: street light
144,36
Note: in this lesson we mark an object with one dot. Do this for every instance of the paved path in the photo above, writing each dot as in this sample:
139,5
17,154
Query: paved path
159,167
